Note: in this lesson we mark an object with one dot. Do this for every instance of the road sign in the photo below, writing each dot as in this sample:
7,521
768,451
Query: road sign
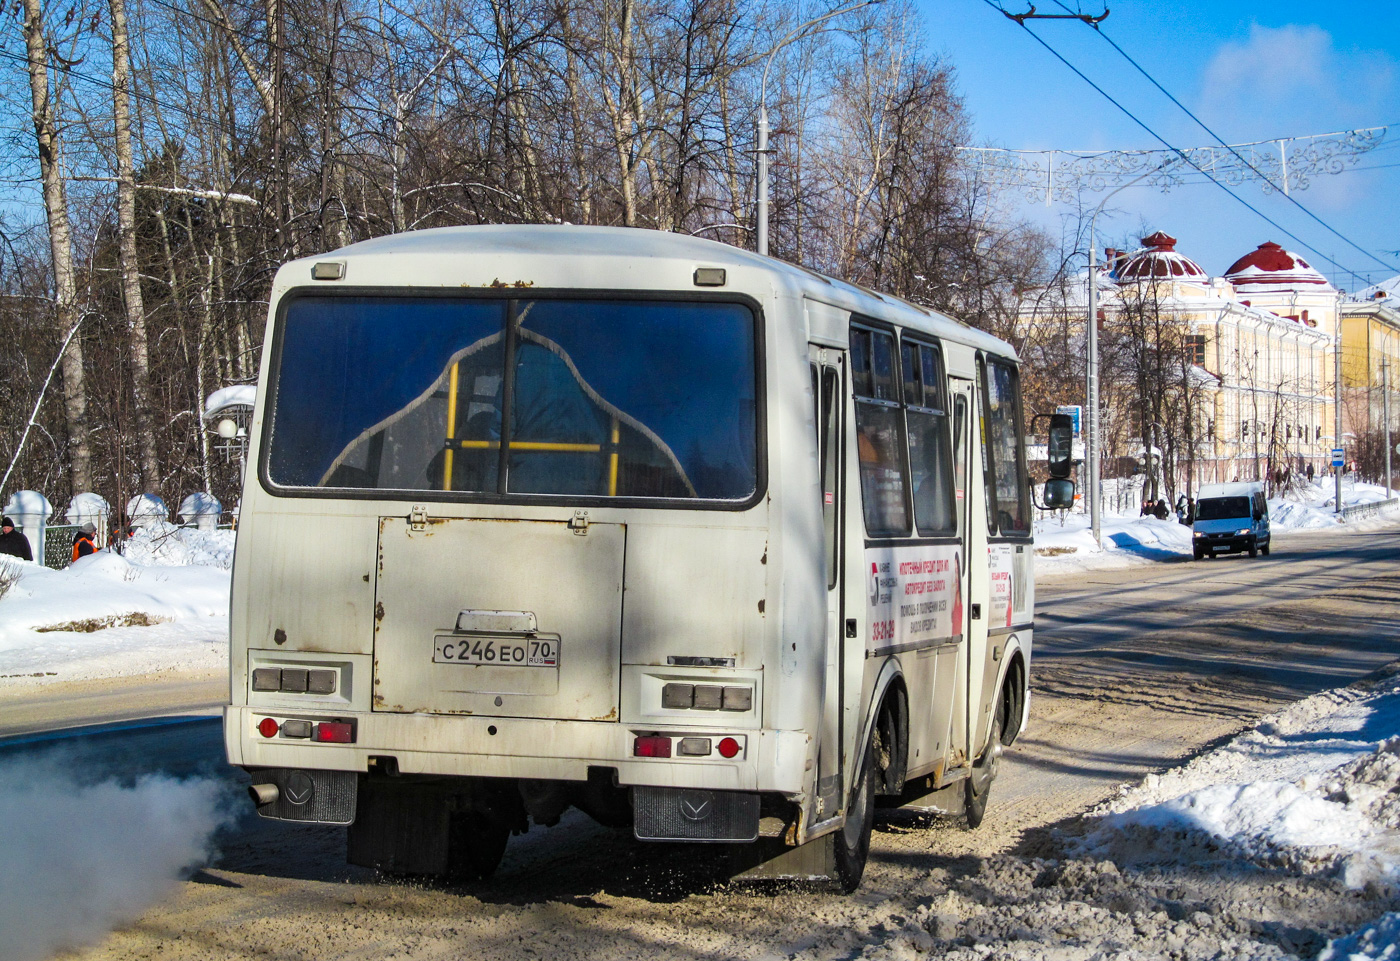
1074,411
1337,455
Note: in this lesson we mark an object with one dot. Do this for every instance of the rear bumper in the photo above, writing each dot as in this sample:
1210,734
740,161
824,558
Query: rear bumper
522,748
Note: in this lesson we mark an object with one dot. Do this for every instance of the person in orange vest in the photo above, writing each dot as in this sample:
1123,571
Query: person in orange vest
83,544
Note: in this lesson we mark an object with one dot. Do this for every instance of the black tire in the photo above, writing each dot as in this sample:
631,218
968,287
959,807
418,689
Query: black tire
852,842
1264,550
1198,553
984,771
1253,549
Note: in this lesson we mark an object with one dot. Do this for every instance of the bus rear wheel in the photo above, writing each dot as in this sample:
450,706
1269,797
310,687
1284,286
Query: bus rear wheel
852,842
979,784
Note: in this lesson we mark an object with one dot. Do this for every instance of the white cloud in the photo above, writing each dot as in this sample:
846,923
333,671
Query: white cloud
1293,80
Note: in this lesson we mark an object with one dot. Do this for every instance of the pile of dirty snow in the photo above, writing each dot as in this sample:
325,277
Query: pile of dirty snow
1282,844
1315,787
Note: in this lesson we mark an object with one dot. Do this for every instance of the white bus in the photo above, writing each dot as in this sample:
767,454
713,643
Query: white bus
692,539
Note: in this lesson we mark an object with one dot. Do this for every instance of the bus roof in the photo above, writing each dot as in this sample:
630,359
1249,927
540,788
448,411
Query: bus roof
584,257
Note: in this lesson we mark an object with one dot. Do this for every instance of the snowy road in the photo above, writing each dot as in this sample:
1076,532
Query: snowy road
1135,670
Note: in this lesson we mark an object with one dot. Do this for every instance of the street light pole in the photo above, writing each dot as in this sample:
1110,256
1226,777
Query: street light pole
1091,379
1337,412
762,137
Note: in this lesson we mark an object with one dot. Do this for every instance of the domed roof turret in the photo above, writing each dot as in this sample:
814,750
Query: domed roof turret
1159,260
1270,267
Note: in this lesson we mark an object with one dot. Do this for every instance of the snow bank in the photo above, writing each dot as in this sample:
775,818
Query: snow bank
1067,544
162,606
163,543
1064,544
1313,507
1313,790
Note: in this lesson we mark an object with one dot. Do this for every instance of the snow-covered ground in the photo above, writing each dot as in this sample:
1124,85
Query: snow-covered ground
1313,789
1063,542
161,606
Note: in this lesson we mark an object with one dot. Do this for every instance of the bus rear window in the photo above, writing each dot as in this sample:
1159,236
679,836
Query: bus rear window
592,398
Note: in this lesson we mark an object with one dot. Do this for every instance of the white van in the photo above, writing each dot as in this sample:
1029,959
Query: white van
1230,518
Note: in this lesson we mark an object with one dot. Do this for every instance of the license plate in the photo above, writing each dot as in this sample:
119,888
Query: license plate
496,651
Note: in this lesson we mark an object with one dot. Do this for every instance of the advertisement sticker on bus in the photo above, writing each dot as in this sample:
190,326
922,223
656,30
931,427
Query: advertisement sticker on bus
913,594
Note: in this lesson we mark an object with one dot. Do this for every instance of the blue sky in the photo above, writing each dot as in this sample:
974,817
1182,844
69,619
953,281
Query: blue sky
1252,71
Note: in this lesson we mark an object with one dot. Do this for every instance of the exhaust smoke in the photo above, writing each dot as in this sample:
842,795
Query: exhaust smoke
78,860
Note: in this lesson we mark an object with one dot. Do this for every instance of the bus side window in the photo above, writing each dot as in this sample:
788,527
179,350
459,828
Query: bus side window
879,433
960,456
1007,483
984,443
830,426
927,418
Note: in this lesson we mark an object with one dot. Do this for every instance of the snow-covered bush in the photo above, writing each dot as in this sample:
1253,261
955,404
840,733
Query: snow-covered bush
10,573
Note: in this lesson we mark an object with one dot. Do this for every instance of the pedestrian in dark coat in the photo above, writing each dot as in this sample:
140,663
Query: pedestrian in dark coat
12,542
1161,511
83,541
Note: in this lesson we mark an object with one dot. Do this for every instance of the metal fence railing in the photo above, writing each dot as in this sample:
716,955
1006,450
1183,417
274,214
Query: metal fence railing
1373,509
58,545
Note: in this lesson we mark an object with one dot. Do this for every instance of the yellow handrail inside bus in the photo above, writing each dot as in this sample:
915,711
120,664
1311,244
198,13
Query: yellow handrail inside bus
530,445
612,461
451,428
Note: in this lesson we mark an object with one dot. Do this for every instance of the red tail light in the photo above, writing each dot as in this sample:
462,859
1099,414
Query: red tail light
652,746
268,727
728,747
335,732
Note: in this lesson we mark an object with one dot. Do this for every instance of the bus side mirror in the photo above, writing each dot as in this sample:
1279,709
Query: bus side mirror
1059,448
1059,494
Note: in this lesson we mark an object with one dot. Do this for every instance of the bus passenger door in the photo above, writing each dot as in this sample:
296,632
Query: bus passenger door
828,388
961,393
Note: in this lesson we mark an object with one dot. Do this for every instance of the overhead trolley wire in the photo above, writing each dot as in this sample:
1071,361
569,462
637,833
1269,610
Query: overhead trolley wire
1133,117
1098,28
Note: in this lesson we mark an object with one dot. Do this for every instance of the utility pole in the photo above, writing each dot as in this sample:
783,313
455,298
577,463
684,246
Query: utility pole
1337,411
1385,406
1091,373
762,123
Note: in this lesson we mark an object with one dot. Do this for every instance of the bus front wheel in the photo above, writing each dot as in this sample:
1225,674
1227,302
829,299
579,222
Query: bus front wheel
984,771
853,840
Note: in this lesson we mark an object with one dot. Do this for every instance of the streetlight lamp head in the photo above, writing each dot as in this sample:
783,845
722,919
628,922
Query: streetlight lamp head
227,429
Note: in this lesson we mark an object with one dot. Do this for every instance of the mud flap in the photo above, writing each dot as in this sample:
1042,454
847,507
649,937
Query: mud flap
320,797
772,860
684,814
402,827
